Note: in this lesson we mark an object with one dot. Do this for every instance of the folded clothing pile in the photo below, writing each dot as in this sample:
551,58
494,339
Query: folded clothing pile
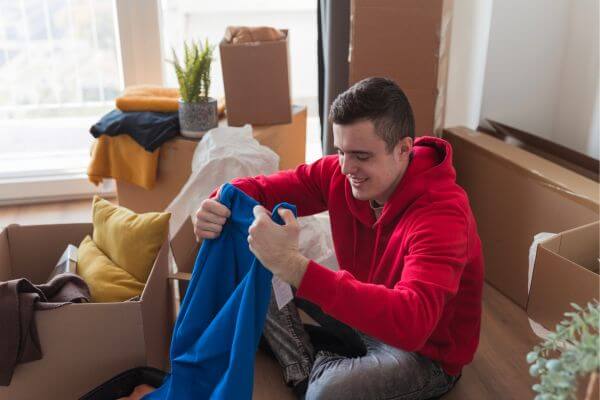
246,34
148,98
129,137
117,259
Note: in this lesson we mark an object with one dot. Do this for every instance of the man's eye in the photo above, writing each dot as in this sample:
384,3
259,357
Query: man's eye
362,158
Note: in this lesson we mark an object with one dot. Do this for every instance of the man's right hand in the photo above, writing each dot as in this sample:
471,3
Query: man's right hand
210,218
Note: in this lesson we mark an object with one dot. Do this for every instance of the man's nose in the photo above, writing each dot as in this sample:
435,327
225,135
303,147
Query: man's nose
347,166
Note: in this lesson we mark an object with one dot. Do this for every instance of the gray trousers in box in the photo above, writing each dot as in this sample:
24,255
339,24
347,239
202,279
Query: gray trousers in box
334,361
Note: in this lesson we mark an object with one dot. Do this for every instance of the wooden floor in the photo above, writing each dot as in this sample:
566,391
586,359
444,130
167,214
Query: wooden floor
47,213
499,370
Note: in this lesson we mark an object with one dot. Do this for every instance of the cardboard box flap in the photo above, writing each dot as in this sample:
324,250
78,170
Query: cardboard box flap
571,184
155,302
579,246
35,249
5,267
184,247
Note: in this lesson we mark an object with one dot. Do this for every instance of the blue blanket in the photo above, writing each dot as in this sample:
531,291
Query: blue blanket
223,313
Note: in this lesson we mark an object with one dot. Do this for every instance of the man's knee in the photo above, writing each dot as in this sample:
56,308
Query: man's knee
333,378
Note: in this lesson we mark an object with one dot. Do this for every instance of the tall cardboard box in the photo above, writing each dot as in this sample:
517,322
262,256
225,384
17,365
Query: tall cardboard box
256,77
565,272
175,158
515,195
407,41
83,345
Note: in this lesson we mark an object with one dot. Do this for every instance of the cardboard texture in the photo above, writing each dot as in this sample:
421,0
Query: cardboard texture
256,78
409,42
515,195
83,345
565,272
174,164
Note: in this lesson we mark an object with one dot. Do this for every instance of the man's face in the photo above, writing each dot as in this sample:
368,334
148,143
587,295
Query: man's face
373,171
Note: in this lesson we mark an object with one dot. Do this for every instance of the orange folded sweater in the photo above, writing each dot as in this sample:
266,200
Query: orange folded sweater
154,98
148,98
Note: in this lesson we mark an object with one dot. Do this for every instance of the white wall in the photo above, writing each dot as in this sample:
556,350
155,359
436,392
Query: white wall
541,71
577,107
468,51
525,51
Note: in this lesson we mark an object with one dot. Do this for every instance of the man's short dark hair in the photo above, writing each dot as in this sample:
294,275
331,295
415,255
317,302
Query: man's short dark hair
381,101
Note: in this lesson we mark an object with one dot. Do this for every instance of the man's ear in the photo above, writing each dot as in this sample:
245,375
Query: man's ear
404,147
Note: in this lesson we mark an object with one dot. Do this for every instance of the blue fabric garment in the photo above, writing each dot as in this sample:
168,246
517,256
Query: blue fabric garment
149,129
223,313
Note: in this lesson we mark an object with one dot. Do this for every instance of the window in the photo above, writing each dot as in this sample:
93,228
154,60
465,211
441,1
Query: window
59,72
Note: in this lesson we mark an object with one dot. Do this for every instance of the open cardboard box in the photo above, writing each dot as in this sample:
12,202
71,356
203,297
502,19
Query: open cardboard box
256,77
83,345
565,272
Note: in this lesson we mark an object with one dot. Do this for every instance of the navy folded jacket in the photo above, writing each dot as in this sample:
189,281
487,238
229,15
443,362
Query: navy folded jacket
223,313
149,129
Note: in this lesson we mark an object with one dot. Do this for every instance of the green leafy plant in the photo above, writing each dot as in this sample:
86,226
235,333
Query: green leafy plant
194,74
575,347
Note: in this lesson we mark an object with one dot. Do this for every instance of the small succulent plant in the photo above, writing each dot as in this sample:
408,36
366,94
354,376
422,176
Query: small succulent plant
575,346
194,74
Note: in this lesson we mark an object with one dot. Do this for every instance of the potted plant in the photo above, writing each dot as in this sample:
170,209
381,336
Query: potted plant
569,354
197,111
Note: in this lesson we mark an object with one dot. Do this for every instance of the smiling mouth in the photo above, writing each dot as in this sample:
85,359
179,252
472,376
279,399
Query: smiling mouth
357,181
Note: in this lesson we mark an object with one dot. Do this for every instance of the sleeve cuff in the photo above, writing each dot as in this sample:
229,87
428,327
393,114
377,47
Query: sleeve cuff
319,284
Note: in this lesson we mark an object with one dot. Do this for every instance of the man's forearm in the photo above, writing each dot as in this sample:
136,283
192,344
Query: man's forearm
294,271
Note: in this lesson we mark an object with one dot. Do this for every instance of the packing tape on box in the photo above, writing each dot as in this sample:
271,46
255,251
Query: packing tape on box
538,329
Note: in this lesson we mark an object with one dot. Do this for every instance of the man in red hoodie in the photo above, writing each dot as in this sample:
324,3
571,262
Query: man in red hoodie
402,315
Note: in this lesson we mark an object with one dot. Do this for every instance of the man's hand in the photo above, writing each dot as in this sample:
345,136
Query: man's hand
210,218
276,246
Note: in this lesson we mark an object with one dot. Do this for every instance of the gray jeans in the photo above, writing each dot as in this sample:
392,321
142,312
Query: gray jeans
334,361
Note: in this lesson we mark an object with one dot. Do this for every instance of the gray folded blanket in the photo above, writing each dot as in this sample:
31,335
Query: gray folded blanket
19,298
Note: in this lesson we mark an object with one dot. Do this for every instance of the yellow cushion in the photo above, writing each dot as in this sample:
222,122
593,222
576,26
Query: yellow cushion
107,281
130,240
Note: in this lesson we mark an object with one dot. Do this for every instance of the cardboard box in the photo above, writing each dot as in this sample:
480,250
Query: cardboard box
256,78
409,42
565,272
514,195
174,163
83,345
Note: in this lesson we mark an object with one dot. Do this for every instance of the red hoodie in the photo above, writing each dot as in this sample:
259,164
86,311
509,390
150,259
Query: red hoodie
412,278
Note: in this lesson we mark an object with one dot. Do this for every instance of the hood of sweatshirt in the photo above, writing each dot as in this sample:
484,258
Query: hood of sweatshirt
430,169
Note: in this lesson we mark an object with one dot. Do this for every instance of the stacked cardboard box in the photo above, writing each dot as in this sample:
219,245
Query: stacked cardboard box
409,42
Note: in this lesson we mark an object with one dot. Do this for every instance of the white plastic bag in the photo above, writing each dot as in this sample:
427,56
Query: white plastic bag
223,153
538,329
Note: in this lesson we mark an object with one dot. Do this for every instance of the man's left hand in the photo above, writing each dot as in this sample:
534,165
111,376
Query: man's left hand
276,246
